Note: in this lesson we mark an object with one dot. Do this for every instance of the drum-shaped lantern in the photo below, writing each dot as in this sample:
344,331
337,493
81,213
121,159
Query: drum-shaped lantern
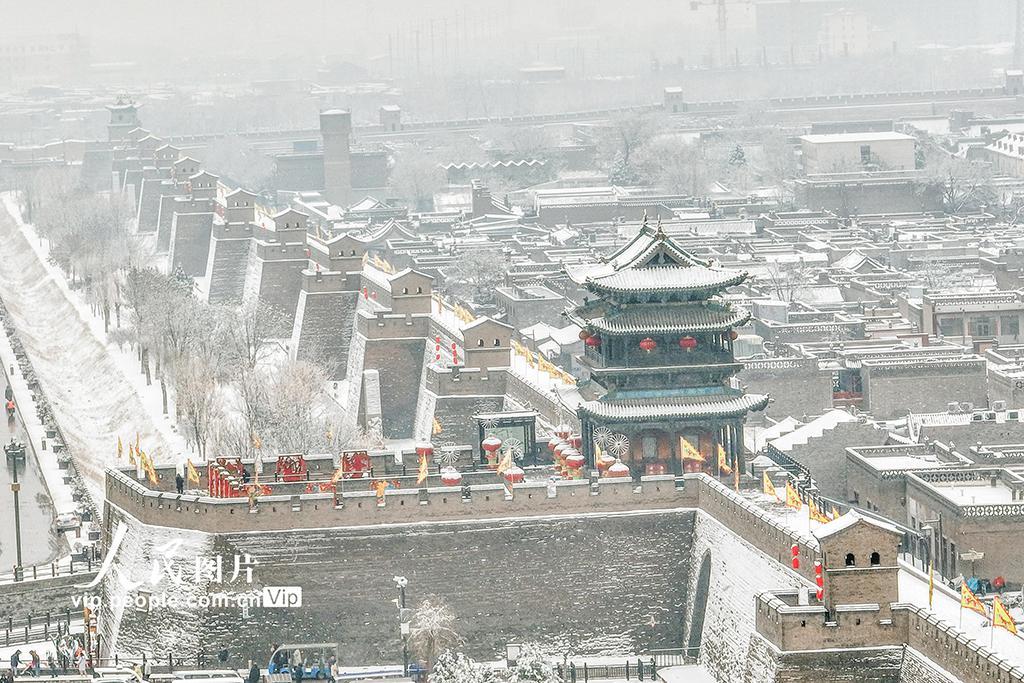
605,461
553,443
563,430
593,341
688,343
647,344
491,444
450,477
617,469
734,335
514,474
584,335
424,449
575,461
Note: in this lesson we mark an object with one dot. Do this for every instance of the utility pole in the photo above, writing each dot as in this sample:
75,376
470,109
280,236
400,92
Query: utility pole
15,489
403,621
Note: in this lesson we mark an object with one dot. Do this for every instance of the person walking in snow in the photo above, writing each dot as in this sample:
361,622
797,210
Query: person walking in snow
179,483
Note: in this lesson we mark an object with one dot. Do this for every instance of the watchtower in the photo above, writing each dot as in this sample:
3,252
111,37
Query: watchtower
859,557
124,117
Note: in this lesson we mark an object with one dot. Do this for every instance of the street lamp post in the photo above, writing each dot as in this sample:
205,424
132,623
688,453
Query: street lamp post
15,489
403,623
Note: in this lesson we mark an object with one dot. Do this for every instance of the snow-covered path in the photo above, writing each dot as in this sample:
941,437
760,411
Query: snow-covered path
93,399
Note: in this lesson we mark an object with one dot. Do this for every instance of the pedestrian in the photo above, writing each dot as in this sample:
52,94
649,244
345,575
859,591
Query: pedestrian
297,666
137,672
254,672
36,663
51,662
83,664
179,483
147,668
15,661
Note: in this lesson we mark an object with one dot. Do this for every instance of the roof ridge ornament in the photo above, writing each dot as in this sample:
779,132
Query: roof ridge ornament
660,234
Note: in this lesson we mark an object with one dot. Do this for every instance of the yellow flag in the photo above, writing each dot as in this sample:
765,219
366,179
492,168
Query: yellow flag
689,452
723,464
768,487
815,512
191,472
436,428
968,600
424,470
340,472
151,472
931,583
120,448
506,462
131,453
834,514
1002,618
136,442
792,497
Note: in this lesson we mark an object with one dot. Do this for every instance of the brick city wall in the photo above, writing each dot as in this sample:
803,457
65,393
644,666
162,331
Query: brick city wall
190,242
400,364
228,263
323,328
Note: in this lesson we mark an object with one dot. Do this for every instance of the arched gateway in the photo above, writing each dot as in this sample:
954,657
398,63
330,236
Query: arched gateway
658,360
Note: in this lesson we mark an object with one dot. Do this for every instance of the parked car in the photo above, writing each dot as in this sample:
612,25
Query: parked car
67,521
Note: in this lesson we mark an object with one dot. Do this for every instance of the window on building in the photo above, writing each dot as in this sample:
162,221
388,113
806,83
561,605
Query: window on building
851,561
1009,326
980,327
951,327
876,559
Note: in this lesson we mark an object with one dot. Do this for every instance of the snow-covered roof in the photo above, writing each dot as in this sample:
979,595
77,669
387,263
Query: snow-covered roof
813,429
850,519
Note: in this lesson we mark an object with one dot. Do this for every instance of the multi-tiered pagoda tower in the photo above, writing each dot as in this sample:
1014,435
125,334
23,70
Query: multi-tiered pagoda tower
658,365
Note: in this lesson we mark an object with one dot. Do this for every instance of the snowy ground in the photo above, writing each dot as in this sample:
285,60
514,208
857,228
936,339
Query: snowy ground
95,388
913,589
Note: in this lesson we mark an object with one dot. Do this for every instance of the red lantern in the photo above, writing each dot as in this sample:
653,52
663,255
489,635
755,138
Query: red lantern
491,444
605,461
424,449
795,549
584,335
553,443
514,474
734,335
576,441
593,341
563,430
617,470
648,344
450,477
575,461
688,343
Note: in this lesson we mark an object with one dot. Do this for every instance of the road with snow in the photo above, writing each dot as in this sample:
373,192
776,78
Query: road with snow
40,543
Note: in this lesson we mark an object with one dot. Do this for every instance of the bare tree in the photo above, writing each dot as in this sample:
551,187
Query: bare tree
415,177
788,278
432,630
196,397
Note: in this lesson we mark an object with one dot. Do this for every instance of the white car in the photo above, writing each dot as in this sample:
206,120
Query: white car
67,521
209,676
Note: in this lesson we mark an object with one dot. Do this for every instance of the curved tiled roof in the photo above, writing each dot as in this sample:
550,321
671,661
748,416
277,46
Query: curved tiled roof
668,319
683,407
666,279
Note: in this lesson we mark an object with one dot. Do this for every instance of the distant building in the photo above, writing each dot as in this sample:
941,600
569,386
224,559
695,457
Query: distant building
831,153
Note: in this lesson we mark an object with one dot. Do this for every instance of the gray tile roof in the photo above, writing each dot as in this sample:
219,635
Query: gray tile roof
665,279
683,407
668,319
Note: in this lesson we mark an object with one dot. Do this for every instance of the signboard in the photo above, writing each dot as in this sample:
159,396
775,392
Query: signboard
972,556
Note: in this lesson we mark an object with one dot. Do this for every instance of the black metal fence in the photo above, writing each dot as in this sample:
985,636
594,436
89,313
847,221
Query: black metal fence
35,628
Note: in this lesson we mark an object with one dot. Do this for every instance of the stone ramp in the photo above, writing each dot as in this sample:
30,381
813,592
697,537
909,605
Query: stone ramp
93,401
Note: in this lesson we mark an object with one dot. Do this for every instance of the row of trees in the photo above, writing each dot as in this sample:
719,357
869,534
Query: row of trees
235,387
88,235
643,148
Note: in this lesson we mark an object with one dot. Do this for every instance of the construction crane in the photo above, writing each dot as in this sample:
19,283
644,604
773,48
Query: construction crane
722,22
